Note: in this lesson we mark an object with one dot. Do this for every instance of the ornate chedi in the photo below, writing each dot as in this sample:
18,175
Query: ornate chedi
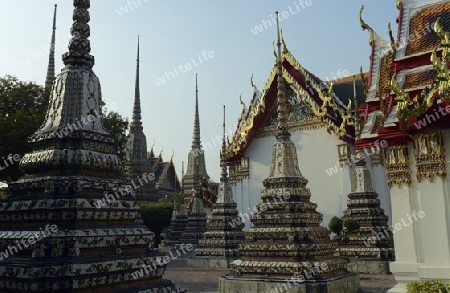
287,246
223,232
137,163
196,225
50,77
74,164
371,247
196,155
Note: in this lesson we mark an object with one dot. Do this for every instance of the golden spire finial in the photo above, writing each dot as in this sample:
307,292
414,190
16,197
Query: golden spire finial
398,4
365,26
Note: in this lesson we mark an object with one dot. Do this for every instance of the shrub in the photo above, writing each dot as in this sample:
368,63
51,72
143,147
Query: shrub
428,286
335,225
157,217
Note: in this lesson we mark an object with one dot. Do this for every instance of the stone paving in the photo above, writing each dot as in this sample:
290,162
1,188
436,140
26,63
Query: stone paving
206,280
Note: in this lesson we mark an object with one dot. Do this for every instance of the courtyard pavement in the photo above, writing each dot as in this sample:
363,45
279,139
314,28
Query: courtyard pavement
206,280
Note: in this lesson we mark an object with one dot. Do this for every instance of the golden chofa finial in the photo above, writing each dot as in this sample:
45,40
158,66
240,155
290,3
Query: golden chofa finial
284,48
154,141
365,26
393,45
274,53
398,4
244,107
160,153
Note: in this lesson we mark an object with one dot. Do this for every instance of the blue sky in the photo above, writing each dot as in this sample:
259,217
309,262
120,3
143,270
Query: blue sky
324,35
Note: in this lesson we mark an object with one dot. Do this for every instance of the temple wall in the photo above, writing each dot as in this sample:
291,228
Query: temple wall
421,211
317,154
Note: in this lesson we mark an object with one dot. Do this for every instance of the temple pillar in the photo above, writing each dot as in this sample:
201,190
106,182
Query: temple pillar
422,245
433,201
398,170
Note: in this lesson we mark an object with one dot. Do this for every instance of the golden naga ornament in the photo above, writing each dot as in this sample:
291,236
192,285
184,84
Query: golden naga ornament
441,64
407,108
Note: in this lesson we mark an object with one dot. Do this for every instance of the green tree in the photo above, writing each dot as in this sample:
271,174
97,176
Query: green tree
23,106
22,110
342,228
117,126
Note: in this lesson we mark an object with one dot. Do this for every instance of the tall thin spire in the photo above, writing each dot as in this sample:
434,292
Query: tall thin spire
182,176
137,96
284,164
282,126
196,144
224,174
51,57
197,186
79,44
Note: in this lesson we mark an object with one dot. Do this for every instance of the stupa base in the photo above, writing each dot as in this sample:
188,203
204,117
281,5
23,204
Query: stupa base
207,262
371,267
345,283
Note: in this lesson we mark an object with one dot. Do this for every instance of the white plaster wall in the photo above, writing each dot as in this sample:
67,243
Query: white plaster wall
317,152
379,183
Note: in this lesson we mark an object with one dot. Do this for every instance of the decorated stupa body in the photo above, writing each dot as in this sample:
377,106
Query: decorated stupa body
223,233
373,240
197,219
93,245
286,239
139,168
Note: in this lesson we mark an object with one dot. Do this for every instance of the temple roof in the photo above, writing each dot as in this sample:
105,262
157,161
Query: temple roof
402,70
305,87
165,175
415,34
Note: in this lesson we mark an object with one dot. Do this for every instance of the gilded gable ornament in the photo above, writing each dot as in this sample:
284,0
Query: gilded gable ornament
396,160
429,152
